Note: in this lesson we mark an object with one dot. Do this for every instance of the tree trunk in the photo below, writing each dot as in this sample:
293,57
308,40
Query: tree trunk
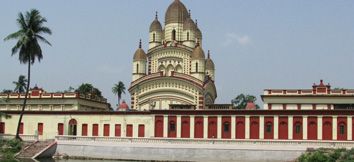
25,100
118,102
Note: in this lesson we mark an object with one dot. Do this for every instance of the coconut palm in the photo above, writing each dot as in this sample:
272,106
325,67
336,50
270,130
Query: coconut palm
31,28
119,89
20,85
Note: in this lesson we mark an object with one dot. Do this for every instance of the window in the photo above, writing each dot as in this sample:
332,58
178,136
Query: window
153,37
196,67
269,127
342,129
172,126
40,129
297,128
137,68
173,34
21,128
187,36
226,127
95,130
84,130
60,129
2,127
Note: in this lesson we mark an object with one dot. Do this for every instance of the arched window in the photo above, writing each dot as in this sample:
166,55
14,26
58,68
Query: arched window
173,34
187,36
226,127
341,129
297,128
196,67
137,68
153,37
269,127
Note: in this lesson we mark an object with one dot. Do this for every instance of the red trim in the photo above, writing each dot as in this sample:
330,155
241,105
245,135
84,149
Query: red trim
283,127
185,128
106,130
240,127
268,124
84,130
312,128
129,130
327,128
159,126
226,127
212,127
199,127
342,134
254,127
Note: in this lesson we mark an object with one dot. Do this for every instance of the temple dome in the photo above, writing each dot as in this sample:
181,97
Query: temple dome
156,25
198,53
140,54
123,106
176,13
189,24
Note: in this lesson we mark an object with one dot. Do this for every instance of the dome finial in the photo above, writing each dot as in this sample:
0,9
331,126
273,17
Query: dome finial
208,54
196,22
156,15
140,43
189,13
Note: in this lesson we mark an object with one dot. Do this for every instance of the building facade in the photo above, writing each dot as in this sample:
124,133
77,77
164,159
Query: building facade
174,71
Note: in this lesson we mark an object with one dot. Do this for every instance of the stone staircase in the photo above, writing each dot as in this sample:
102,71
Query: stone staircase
33,149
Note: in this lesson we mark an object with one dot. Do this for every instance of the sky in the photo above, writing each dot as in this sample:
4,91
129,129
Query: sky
255,44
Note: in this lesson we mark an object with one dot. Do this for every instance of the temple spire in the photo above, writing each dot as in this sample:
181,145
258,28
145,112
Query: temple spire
156,17
140,43
189,13
208,54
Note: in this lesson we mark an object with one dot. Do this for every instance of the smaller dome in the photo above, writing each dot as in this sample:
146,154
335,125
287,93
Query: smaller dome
198,53
123,106
209,64
189,24
156,25
139,54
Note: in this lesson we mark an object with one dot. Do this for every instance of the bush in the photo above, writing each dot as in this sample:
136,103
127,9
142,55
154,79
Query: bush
328,155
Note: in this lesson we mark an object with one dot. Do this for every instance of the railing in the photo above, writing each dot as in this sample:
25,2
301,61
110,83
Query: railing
347,92
24,137
152,140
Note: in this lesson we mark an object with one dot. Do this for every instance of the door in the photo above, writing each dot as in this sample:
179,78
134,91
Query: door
60,129
117,131
106,130
240,127
129,130
212,127
84,130
198,127
141,130
159,126
95,130
185,132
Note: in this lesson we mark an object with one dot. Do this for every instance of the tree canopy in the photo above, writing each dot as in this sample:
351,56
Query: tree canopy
241,100
89,89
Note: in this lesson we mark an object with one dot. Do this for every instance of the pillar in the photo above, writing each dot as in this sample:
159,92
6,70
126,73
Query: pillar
179,125
304,127
205,126
233,127
191,135
290,127
261,127
334,128
319,127
165,126
219,126
247,127
276,127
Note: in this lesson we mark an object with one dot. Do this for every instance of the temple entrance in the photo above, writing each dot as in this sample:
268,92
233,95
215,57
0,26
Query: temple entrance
72,127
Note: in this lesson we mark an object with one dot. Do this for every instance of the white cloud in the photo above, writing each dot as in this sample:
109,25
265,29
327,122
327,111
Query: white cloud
232,38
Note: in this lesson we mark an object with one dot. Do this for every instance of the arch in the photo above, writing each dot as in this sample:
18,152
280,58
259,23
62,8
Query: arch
153,37
297,128
187,36
73,127
137,68
196,67
169,69
179,68
162,69
173,37
342,128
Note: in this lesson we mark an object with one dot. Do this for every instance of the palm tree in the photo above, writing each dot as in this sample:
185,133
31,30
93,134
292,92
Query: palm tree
20,84
31,28
118,89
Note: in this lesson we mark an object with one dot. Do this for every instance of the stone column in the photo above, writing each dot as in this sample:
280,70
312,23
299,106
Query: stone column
205,126
179,125
165,126
319,127
290,127
247,127
304,127
334,127
261,127
219,126
191,119
349,127
233,127
276,126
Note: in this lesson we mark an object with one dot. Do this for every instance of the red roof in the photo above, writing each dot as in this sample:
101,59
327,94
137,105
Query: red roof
123,106
250,106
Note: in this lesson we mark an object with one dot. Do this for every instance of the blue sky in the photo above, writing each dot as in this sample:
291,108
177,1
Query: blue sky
255,44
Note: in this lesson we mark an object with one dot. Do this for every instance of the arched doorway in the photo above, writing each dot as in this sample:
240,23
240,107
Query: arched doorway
72,127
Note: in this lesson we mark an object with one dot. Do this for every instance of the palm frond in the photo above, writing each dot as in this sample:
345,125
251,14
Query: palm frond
42,39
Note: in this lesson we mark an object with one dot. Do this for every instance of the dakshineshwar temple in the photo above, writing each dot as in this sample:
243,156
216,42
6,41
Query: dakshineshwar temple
172,96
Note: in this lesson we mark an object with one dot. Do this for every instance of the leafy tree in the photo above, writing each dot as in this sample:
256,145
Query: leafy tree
119,89
20,85
240,101
31,28
86,88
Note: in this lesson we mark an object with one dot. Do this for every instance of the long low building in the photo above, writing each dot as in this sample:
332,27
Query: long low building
207,124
